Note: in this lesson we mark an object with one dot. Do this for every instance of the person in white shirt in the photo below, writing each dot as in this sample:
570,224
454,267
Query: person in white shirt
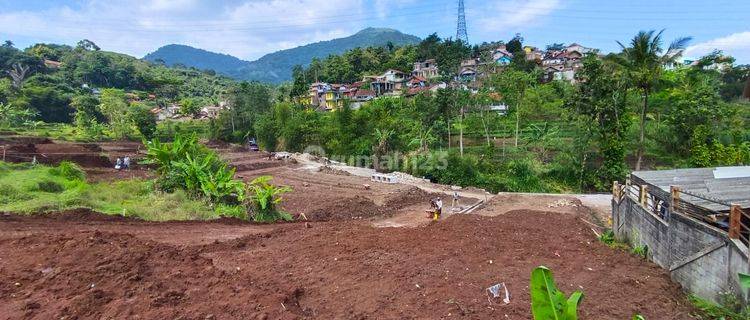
438,208
455,203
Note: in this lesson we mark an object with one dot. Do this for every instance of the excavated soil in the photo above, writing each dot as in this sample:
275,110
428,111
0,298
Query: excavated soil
321,270
82,265
360,207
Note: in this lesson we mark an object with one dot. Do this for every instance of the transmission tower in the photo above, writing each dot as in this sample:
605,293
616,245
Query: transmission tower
461,28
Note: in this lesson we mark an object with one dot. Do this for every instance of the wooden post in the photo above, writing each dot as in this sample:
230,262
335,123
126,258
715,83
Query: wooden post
644,192
675,192
615,189
735,216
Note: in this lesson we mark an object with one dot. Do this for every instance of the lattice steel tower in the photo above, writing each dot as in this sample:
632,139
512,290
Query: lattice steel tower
461,28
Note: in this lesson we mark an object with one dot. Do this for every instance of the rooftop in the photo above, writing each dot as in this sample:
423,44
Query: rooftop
727,184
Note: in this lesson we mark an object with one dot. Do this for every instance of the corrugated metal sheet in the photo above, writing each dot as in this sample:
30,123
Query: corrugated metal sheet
728,184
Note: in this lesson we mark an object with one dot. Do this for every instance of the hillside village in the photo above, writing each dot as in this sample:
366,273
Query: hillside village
425,76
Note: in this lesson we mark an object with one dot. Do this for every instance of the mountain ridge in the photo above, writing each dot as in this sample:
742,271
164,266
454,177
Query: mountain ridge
276,67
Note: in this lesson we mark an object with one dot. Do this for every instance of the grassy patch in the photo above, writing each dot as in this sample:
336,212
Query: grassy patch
729,309
25,189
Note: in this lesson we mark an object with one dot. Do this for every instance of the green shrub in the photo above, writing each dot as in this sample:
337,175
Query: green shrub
640,250
9,194
607,237
69,170
264,198
50,186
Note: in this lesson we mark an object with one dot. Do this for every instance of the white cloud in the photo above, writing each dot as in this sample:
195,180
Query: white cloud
736,45
244,28
500,16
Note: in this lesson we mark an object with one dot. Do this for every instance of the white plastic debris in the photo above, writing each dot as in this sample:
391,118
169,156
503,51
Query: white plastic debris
494,293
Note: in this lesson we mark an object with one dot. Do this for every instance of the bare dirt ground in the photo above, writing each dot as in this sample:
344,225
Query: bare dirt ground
53,268
364,253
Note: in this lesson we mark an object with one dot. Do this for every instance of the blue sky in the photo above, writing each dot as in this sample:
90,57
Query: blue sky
250,28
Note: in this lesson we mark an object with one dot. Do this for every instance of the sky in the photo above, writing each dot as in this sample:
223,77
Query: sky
249,29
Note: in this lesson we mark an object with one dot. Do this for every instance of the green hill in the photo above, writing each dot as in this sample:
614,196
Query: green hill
175,54
277,67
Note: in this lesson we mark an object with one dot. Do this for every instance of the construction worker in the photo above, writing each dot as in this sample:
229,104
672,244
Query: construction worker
438,209
454,202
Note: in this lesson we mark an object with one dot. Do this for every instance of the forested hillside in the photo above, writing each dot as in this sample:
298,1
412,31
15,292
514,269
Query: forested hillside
622,111
91,88
187,56
277,67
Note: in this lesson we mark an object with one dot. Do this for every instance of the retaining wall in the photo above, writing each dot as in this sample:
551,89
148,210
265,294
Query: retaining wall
699,257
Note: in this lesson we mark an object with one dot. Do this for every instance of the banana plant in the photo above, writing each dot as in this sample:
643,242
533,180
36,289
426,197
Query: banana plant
548,303
744,280
265,196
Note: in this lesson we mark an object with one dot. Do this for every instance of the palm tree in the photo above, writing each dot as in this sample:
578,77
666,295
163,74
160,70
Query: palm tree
644,61
382,140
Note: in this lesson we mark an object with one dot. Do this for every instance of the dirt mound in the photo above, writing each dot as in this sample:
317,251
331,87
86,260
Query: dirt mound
359,207
256,165
329,170
351,208
410,197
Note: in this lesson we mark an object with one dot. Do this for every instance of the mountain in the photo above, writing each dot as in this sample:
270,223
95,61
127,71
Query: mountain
277,67
198,58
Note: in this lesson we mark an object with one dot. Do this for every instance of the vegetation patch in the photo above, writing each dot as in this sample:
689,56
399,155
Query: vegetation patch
27,189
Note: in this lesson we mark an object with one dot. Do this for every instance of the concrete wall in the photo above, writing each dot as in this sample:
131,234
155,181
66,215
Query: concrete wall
699,257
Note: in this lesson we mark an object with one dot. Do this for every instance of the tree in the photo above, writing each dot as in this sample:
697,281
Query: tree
515,45
86,111
189,107
644,60
48,97
555,46
8,44
382,143
18,75
601,98
299,86
114,106
140,115
247,101
266,129
87,45
512,86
